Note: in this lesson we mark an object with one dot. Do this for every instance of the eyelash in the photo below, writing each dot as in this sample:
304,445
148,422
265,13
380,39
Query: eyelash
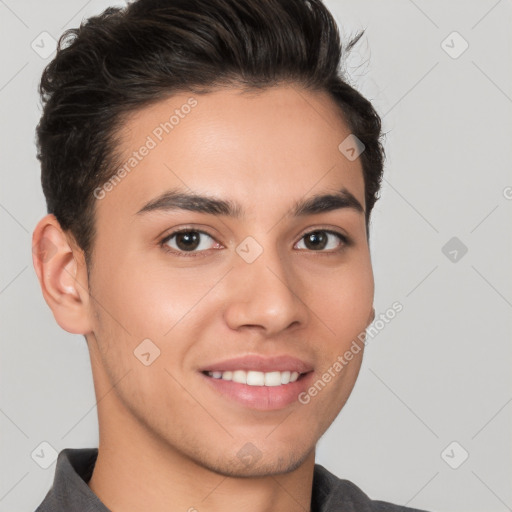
194,254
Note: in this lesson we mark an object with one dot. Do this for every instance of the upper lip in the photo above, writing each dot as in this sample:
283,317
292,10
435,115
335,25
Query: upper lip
261,364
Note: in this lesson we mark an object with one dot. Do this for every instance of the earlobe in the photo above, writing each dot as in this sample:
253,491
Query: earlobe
60,268
371,318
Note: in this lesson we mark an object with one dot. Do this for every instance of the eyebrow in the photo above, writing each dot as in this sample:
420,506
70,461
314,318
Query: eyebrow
179,200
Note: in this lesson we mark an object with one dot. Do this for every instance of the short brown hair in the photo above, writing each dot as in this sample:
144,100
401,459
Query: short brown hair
127,58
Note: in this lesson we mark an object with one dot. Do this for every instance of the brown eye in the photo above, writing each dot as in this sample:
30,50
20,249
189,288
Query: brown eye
188,241
321,239
316,240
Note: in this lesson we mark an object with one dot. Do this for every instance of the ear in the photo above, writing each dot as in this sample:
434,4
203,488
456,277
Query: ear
60,267
371,318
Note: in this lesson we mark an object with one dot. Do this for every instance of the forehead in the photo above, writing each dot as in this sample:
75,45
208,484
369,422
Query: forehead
266,148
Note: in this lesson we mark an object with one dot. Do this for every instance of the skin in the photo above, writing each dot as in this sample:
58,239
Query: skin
168,441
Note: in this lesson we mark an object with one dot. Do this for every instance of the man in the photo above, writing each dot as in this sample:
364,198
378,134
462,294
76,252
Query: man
209,178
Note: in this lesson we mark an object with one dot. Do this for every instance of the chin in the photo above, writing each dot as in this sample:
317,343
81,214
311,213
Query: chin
244,467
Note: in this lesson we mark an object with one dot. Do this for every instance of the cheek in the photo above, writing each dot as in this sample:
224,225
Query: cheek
146,302
342,299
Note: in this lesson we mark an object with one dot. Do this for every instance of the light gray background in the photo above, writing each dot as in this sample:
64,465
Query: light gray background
437,373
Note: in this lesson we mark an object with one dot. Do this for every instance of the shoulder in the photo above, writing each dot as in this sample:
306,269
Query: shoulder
70,492
330,493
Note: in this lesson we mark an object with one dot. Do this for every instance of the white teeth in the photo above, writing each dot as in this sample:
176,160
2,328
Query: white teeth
255,378
273,379
227,375
239,376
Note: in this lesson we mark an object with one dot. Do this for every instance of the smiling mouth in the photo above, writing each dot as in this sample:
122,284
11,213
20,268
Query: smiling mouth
257,378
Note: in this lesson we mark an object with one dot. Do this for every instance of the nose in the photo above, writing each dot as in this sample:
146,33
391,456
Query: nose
265,295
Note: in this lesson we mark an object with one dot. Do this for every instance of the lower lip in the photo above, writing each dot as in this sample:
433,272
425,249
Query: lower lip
262,398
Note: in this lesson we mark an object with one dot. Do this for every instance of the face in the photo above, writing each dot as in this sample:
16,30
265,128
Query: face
250,288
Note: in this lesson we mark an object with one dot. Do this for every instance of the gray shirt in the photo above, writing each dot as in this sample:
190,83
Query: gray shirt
70,492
